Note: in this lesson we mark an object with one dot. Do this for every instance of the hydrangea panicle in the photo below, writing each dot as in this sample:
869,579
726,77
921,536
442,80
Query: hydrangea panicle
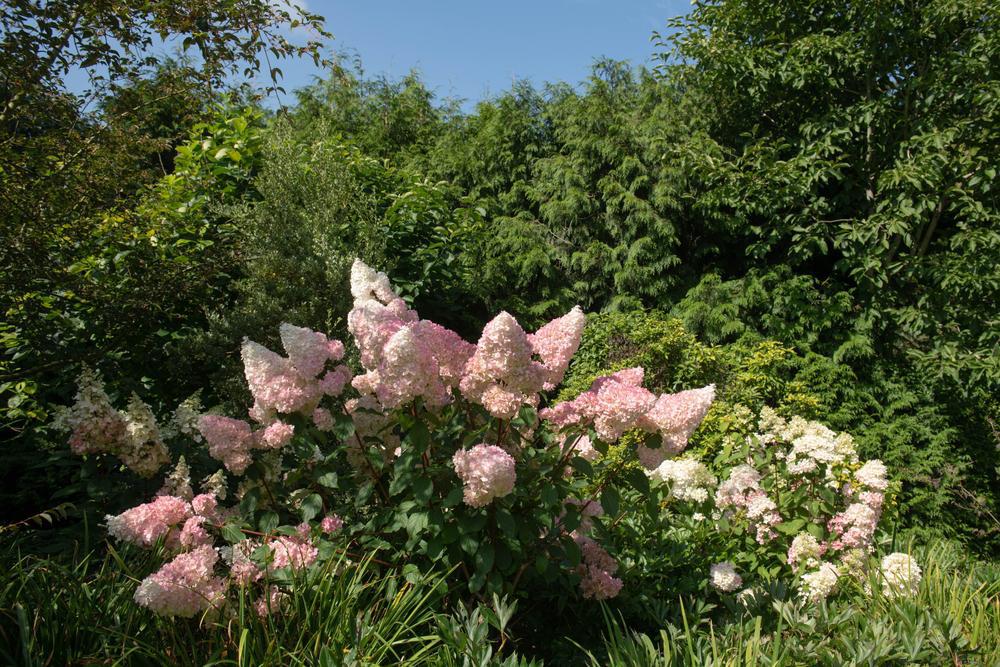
487,472
596,569
900,575
556,343
501,375
689,479
144,524
185,586
724,578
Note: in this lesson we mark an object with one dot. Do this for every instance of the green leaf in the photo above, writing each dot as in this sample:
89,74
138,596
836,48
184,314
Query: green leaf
637,480
483,558
791,527
423,488
329,480
609,501
231,533
453,498
541,563
268,522
311,506
506,522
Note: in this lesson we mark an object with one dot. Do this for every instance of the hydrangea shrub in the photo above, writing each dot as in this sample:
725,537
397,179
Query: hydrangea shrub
793,501
436,450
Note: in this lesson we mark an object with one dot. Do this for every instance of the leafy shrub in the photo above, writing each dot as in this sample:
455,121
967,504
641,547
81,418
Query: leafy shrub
517,514
896,418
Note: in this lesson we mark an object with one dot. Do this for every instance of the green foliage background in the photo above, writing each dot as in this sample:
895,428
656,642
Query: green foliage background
798,205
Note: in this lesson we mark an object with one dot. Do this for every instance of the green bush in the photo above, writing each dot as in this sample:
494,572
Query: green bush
894,417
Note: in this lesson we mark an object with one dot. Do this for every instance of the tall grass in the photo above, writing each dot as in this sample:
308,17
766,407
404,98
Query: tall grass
954,620
53,614
82,613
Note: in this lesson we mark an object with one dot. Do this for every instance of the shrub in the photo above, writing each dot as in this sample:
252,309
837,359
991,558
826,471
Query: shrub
442,458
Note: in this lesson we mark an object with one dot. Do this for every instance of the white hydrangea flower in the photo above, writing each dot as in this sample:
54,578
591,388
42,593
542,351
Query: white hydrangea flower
689,479
872,475
900,575
804,552
819,584
723,577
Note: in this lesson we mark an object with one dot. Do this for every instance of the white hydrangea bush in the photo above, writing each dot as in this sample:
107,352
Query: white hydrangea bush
793,501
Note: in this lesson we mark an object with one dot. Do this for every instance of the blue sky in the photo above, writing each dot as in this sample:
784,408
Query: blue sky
472,49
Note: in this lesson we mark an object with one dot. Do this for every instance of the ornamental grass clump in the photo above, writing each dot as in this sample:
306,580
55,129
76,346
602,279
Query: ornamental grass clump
437,451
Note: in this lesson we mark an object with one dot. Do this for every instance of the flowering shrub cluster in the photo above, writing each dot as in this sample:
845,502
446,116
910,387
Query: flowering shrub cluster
803,500
439,449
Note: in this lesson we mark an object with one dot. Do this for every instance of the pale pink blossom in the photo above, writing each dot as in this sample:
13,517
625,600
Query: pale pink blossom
206,505
272,602
142,449
723,577
596,569
333,381
486,471
308,350
229,440
501,375
144,524
556,343
331,523
322,419
194,535
676,416
185,586
275,435
94,423
292,552
275,383
451,352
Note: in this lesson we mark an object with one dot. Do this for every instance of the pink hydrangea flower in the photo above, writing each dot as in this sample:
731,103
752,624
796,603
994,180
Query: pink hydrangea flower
185,586
331,523
144,524
242,569
292,552
275,383
742,490
272,602
405,357
94,424
229,440
676,416
614,404
596,569
333,382
556,343
289,384
308,350
486,471
618,403
275,435
854,527
501,375
322,419
194,535
408,369
451,351
206,505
